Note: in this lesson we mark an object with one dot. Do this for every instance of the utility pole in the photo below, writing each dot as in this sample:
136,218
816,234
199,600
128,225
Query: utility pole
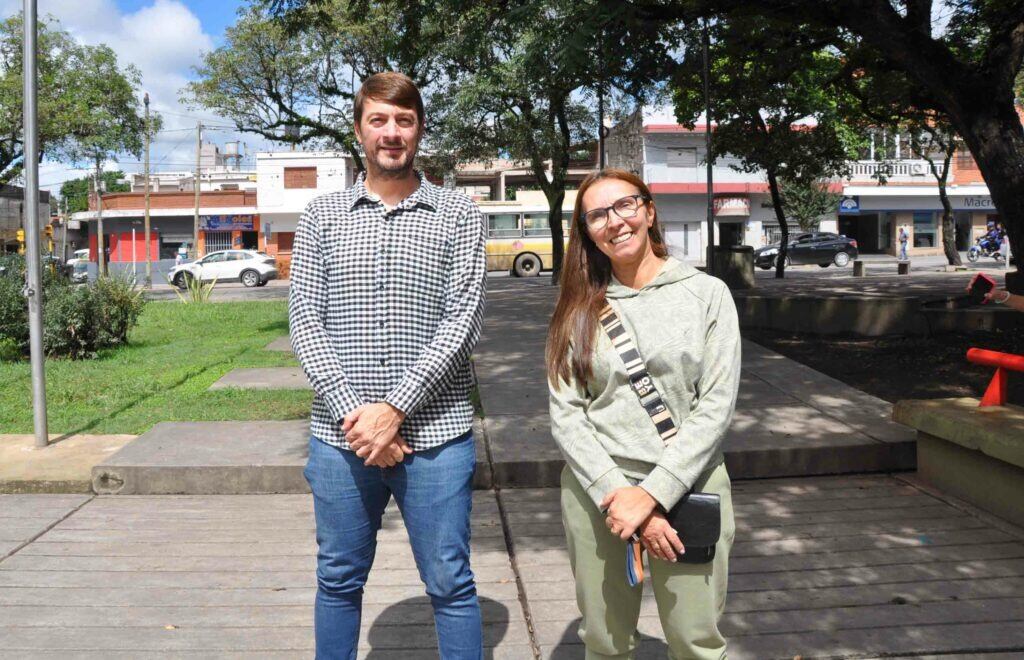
600,105
65,216
145,214
101,248
707,147
34,276
195,218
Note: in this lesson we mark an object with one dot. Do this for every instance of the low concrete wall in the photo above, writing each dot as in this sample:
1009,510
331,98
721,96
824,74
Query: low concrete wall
975,454
869,317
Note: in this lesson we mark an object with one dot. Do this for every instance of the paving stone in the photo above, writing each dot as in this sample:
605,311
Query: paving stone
264,378
283,344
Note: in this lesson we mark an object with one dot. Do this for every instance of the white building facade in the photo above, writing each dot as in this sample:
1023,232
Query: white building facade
671,160
286,181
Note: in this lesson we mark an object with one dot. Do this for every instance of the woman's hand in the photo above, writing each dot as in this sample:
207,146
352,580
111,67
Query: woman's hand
626,509
657,535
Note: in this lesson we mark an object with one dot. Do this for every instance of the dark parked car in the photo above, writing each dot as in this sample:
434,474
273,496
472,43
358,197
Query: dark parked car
820,248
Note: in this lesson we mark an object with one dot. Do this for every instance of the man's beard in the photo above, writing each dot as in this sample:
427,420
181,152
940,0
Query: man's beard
390,169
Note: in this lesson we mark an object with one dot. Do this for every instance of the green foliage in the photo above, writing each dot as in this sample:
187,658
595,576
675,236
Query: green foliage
78,321
774,103
196,290
75,192
271,76
807,202
776,108
88,104
10,350
163,374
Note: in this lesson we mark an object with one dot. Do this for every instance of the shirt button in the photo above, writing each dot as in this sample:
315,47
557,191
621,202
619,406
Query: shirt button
382,324
383,362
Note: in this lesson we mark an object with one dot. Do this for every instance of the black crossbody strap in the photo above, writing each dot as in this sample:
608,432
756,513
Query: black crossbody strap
640,381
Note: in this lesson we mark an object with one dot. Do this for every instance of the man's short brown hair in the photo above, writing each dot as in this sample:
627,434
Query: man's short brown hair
389,87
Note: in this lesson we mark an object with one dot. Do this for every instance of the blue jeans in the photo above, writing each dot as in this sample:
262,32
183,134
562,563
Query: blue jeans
433,489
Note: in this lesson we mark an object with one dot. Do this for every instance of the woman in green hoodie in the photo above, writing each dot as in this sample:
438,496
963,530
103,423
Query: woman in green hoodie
620,477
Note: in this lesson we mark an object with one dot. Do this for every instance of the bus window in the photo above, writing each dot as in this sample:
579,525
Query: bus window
503,225
566,219
536,224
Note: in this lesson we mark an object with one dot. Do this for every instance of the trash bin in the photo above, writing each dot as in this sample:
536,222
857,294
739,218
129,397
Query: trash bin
734,265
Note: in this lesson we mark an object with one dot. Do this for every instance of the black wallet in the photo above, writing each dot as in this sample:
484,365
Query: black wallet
698,520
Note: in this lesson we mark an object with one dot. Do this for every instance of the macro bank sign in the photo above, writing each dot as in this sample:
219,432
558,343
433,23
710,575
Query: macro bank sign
978,202
849,204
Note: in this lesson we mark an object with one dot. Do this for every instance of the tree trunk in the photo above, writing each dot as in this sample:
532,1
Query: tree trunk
780,215
948,222
996,139
557,237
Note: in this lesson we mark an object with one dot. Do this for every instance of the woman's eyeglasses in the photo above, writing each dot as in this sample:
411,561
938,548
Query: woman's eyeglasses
624,207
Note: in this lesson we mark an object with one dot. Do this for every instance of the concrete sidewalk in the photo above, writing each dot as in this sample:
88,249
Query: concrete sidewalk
790,420
851,567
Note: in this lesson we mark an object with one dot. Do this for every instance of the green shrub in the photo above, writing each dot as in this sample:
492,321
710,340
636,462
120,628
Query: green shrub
197,291
121,302
78,321
10,350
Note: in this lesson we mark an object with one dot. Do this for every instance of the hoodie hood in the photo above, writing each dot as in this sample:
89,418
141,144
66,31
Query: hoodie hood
672,271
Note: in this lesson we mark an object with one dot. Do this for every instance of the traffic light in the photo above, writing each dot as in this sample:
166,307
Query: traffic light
20,235
48,231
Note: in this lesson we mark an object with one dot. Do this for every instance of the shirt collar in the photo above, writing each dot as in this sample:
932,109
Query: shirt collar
425,194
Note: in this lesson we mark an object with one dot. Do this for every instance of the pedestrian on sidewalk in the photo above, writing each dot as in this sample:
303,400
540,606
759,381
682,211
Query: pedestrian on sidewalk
387,296
621,477
904,238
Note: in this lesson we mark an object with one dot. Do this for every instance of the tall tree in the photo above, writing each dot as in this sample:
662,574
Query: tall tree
807,202
292,77
934,141
775,108
889,101
516,78
966,69
74,193
522,83
82,93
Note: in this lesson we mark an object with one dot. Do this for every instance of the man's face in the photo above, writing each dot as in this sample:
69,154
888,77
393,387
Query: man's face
390,135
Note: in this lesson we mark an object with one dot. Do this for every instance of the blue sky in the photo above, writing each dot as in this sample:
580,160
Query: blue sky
215,15
165,39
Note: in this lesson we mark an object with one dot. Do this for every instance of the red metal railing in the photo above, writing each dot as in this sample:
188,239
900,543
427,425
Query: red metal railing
995,395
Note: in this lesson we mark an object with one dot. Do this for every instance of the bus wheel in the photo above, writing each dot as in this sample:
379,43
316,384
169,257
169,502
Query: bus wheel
526,265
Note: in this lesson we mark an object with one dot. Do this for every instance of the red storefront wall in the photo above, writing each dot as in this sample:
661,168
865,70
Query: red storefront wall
119,246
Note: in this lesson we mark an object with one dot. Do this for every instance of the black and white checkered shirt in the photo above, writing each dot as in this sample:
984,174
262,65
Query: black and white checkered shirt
387,306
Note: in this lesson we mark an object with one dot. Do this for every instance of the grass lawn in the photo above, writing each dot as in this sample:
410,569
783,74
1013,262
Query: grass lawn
175,353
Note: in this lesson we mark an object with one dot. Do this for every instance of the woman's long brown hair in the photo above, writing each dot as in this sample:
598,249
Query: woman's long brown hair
586,272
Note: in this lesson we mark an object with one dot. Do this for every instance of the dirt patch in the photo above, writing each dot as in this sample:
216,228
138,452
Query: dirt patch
894,368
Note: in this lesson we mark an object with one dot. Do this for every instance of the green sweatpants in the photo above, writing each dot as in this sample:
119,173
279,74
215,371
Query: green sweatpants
690,597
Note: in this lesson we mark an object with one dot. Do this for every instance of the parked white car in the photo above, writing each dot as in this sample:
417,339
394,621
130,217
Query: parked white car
249,267
80,256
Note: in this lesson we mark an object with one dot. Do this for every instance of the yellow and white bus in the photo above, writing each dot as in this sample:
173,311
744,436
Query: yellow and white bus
519,237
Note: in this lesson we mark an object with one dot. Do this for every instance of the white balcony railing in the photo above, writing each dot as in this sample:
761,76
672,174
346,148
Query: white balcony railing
900,170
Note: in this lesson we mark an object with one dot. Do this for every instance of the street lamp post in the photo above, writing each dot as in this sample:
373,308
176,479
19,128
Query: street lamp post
34,274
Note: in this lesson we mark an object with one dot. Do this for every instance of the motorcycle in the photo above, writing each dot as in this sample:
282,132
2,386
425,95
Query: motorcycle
984,247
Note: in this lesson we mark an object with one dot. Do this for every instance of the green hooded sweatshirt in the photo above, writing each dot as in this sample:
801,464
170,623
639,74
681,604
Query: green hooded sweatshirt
684,324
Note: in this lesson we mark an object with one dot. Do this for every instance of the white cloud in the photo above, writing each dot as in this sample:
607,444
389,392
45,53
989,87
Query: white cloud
164,40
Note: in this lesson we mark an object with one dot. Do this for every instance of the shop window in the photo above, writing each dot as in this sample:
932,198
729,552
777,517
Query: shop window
285,240
300,177
925,229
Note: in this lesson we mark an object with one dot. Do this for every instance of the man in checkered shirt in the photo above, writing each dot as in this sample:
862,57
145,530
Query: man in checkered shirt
387,295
